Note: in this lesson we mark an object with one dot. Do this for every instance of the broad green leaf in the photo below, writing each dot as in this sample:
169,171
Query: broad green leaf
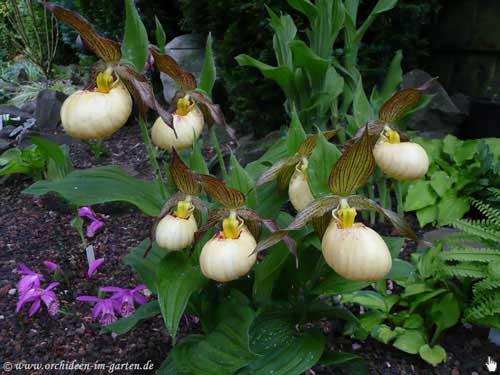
272,328
208,72
367,322
393,78
315,66
441,182
450,145
427,215
135,41
124,325
161,38
268,270
239,179
445,311
414,321
465,152
197,162
297,356
52,151
87,187
367,298
321,162
452,207
334,284
381,7
296,134
411,341
225,350
384,333
400,270
433,355
419,195
282,75
354,167
177,279
146,267
361,108
395,244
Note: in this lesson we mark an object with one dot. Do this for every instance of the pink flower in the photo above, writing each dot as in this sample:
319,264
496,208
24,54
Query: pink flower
37,295
30,280
124,298
93,266
104,307
95,225
54,267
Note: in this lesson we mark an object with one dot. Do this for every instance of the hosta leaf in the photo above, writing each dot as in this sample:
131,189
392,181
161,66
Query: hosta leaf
410,341
420,195
334,284
208,73
167,64
353,168
87,187
124,325
229,197
225,350
352,363
135,41
146,268
106,49
398,222
397,106
177,280
367,298
184,179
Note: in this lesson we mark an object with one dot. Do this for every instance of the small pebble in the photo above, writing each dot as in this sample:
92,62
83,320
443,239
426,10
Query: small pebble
12,292
356,346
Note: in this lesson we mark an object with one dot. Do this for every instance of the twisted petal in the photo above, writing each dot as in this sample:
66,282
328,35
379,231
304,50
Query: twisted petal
93,266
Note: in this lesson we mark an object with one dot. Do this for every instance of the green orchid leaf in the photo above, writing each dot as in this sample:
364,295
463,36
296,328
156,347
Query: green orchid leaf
135,41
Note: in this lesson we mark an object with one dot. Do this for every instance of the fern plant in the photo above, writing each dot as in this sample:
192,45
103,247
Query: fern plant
475,255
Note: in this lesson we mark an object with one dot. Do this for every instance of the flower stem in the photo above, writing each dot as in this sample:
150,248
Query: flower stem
152,157
219,153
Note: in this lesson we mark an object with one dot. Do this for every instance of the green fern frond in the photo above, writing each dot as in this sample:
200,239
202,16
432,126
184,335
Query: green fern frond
484,306
470,270
478,228
470,254
486,285
492,215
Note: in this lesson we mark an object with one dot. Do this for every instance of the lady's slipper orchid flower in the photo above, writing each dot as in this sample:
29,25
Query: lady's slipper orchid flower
93,266
95,225
104,307
37,295
125,298
30,280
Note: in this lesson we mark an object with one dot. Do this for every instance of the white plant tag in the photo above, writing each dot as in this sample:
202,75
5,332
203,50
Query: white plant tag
90,254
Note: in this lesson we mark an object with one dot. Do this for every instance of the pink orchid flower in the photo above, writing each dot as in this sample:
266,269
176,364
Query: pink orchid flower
95,225
104,307
30,280
93,266
37,295
52,266
124,298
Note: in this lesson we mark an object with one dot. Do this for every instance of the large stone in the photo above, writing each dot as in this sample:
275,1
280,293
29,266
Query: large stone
14,112
189,52
48,108
441,116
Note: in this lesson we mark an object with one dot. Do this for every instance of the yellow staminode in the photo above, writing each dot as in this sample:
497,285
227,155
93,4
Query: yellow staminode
184,106
231,227
393,136
345,216
184,209
302,167
105,82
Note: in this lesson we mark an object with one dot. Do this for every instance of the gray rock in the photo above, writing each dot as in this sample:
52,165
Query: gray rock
29,107
430,237
4,145
48,108
441,116
189,52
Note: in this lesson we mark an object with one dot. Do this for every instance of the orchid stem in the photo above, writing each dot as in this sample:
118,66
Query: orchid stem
152,157
399,197
219,153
